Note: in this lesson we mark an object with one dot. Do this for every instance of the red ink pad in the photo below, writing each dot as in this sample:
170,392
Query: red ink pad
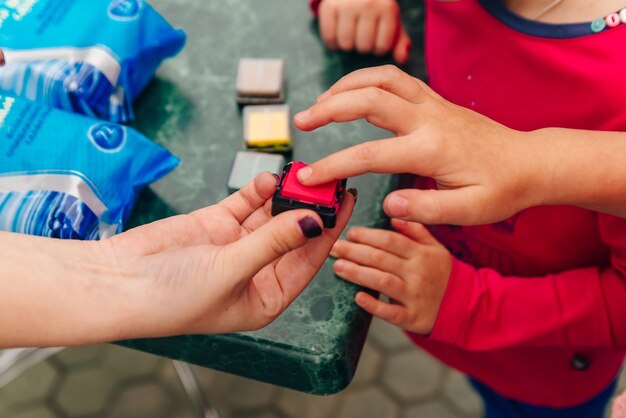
324,199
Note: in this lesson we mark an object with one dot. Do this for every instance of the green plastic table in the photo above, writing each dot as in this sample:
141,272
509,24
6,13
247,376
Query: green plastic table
190,108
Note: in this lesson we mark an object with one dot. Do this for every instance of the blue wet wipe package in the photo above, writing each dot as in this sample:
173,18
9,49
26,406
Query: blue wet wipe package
69,176
87,56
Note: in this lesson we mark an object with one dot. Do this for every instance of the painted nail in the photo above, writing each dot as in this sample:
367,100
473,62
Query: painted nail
305,174
309,227
303,116
324,96
398,206
354,192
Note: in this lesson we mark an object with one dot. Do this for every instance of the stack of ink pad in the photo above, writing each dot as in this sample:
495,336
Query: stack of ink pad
267,139
267,134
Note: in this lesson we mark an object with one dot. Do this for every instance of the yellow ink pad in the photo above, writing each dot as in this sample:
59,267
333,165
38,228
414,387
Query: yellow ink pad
267,128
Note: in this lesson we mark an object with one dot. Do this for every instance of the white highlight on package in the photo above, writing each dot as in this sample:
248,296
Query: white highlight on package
7,104
17,9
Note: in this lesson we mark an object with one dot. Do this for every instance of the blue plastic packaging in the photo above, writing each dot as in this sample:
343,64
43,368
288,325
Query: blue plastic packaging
87,56
68,176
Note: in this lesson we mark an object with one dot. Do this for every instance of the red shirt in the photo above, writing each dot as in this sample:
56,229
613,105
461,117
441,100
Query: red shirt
536,305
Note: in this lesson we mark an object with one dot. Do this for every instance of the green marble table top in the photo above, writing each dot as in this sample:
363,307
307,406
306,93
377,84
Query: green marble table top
190,108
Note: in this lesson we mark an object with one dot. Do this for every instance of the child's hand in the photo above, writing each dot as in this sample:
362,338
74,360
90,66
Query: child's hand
485,172
365,25
619,406
409,266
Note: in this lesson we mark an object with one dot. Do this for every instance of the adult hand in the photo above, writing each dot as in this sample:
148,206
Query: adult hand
483,170
368,26
228,267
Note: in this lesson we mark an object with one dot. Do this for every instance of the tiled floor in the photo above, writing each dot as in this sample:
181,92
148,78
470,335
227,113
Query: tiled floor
394,380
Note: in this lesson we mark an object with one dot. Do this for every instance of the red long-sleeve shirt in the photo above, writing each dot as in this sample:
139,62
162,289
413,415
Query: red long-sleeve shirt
536,305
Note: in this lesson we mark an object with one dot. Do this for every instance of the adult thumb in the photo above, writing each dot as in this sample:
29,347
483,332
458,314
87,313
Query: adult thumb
282,234
463,206
403,47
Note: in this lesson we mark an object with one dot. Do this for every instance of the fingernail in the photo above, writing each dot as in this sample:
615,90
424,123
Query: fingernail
398,206
354,192
339,265
309,227
302,116
334,252
276,176
324,96
305,174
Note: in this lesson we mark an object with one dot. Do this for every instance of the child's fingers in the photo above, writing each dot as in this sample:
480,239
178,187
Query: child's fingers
380,107
395,314
386,77
414,230
402,48
366,33
328,24
368,256
385,156
389,241
383,282
460,206
385,35
346,30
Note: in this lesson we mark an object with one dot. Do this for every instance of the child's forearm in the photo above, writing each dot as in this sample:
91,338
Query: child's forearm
581,168
61,293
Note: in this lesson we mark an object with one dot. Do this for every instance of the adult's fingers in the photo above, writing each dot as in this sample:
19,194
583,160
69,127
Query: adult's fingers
346,30
279,236
385,156
366,33
380,107
463,206
328,24
250,198
402,48
296,269
386,77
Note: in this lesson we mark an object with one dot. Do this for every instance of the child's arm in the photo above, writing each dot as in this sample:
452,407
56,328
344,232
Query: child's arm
481,309
486,172
367,26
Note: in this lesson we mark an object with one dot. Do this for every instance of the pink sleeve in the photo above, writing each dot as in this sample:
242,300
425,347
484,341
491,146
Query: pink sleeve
315,6
581,308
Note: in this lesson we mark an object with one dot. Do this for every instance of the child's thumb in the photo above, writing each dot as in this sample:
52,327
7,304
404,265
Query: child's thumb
403,47
457,207
282,234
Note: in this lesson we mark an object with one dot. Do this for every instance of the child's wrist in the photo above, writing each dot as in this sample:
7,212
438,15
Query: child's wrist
536,169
